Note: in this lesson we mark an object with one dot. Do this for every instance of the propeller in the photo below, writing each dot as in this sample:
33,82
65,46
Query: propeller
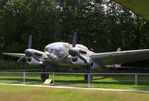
74,51
20,58
74,39
29,47
71,51
28,52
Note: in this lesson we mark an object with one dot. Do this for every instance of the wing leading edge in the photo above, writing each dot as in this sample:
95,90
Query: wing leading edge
119,57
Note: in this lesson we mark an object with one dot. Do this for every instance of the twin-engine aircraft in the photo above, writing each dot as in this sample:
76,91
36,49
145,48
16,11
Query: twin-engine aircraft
76,54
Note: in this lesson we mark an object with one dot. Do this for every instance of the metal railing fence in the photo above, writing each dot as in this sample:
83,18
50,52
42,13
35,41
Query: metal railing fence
76,79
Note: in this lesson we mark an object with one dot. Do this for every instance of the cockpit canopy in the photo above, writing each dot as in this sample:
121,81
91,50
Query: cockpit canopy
58,49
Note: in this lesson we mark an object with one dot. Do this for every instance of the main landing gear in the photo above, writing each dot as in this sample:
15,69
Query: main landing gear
87,76
44,74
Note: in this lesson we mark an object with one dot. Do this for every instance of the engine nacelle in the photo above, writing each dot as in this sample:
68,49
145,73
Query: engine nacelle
77,61
32,61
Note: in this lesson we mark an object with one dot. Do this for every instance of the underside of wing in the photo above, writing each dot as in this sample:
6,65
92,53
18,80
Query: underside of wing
14,54
120,57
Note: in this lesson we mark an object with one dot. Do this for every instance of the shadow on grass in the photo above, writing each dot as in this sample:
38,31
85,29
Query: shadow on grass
116,85
93,82
20,80
100,78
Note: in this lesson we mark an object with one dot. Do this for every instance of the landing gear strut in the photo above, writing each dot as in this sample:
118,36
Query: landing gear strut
87,76
44,74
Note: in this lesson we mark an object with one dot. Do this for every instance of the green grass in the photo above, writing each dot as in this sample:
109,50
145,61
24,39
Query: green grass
138,6
19,93
124,82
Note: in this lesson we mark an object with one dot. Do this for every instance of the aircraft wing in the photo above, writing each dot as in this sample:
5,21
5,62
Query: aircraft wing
120,57
138,6
15,54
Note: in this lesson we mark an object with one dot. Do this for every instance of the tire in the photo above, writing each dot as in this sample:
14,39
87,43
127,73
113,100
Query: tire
44,76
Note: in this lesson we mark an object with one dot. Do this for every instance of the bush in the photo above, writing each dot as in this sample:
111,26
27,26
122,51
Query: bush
14,65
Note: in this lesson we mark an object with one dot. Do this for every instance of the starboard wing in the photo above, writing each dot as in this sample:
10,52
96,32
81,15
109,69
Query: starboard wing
120,57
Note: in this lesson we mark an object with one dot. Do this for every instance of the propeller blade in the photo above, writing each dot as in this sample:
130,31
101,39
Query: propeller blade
82,58
35,57
30,42
74,40
20,58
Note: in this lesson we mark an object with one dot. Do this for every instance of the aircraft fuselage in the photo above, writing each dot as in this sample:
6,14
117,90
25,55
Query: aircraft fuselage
59,52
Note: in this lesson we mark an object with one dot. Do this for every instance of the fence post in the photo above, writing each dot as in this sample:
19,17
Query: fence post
53,78
24,74
136,79
89,79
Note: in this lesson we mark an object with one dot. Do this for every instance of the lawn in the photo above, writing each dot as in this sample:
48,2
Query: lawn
138,6
19,93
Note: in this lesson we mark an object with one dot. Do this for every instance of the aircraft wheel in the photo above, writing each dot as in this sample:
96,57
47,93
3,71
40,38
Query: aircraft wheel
44,76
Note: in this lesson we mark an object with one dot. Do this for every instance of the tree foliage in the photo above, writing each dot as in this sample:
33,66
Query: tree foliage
101,25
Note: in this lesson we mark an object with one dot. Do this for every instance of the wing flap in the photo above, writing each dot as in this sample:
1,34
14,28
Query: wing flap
120,57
